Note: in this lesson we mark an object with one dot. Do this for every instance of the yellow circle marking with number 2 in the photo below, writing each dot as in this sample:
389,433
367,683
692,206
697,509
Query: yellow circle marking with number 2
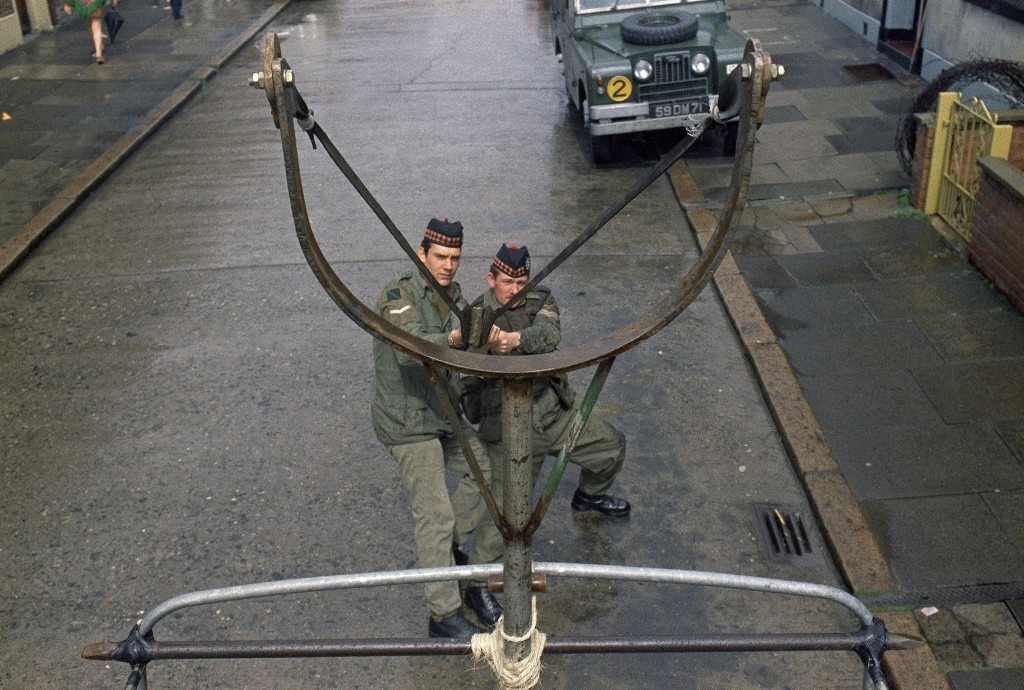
619,88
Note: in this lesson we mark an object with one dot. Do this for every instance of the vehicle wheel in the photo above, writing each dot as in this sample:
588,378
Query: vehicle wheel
658,27
732,132
601,149
568,95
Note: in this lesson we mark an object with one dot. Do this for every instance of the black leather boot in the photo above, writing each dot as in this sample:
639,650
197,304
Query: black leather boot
455,625
609,505
483,604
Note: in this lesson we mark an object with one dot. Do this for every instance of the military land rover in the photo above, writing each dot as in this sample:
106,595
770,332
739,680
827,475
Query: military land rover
640,65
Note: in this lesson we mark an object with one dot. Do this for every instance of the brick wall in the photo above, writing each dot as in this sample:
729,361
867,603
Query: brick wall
1014,118
997,232
1017,144
922,159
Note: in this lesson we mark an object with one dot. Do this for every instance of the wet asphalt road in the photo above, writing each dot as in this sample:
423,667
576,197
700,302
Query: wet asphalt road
184,408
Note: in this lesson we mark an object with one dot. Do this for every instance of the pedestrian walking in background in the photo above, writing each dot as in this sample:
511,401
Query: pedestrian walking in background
175,7
93,13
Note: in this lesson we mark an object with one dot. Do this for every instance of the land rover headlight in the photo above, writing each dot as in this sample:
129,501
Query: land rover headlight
642,70
700,64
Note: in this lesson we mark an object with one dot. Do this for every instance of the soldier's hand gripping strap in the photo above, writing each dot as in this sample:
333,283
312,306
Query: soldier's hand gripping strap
481,319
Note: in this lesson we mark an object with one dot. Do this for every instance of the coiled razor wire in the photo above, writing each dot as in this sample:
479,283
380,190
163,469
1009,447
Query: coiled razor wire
1005,76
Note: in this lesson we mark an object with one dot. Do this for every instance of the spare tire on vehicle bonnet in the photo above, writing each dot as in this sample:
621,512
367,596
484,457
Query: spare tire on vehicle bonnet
658,27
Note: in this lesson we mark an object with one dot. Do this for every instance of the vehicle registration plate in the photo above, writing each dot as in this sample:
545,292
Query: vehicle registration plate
676,109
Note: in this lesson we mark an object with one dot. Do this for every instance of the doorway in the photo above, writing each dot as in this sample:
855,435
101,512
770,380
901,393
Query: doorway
899,36
22,9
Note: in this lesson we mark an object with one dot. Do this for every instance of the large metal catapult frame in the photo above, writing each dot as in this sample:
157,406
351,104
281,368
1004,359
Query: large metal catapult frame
519,577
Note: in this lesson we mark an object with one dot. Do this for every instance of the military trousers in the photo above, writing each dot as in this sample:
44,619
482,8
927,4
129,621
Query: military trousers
599,453
422,467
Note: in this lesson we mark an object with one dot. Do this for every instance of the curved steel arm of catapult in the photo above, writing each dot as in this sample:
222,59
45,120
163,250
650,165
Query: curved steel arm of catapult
745,94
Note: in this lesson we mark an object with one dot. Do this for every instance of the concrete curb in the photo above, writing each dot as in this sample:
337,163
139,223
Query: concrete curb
67,200
853,546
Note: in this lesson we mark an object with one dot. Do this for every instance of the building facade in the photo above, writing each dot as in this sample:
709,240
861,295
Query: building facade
19,17
929,36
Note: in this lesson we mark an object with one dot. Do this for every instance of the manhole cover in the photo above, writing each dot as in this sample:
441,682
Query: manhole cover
781,532
871,72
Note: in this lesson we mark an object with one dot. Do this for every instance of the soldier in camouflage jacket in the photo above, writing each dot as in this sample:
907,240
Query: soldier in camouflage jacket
408,419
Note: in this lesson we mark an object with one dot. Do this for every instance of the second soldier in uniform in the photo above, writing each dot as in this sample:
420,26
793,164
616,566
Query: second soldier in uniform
533,327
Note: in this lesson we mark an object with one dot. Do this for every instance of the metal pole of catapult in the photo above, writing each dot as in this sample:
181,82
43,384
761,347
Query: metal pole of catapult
742,97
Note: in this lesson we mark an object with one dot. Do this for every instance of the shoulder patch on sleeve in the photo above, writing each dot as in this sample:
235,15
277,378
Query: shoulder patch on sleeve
394,293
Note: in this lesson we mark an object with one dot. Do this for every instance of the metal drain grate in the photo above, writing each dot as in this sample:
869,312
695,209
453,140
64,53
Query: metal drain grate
870,72
781,531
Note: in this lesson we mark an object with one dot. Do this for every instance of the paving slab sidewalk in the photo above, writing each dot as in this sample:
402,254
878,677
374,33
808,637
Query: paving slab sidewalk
68,122
911,363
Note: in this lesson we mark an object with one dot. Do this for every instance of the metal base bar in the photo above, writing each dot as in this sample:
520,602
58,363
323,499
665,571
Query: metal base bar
482,572
869,642
281,649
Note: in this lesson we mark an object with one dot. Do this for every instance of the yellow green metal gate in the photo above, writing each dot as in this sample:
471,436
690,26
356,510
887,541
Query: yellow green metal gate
963,134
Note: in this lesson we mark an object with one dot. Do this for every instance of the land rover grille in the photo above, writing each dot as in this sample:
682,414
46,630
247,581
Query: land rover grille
672,80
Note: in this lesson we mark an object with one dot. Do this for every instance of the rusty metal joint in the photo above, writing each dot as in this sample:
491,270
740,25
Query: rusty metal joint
538,583
871,642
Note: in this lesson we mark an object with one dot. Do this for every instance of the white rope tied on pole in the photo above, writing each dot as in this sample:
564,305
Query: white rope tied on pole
512,674
695,124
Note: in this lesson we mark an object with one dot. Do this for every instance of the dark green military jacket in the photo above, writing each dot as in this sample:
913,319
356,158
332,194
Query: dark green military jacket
405,408
536,319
